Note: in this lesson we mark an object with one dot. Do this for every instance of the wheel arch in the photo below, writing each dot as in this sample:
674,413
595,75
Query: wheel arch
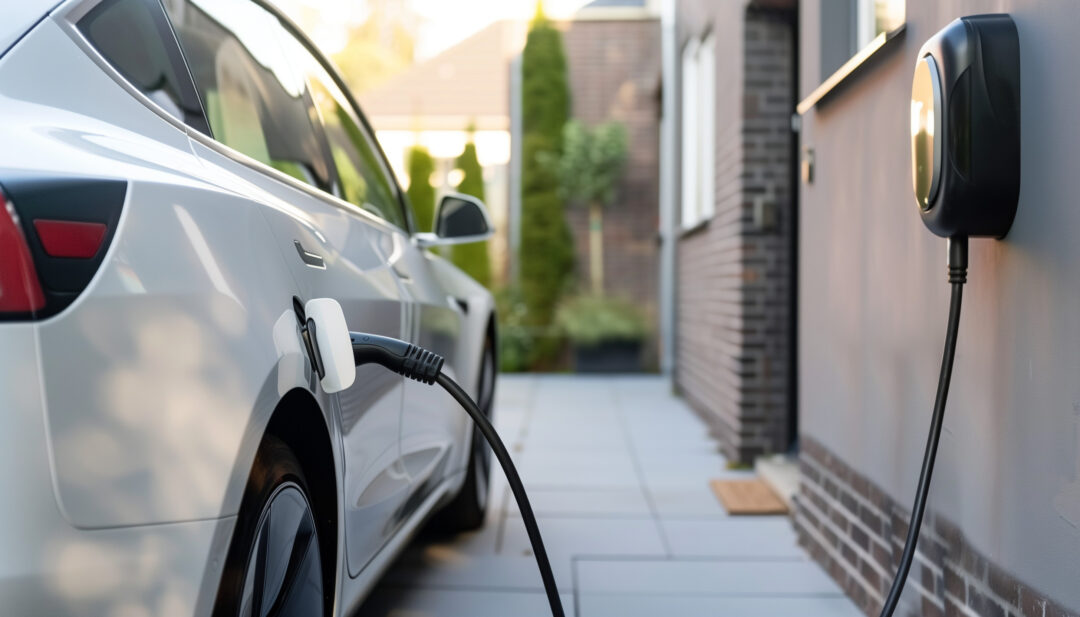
299,422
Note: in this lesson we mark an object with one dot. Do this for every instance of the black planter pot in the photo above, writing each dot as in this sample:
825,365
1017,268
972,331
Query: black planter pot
608,357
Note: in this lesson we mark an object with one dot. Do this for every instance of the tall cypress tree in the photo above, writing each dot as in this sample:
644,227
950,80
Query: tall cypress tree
473,257
546,256
421,193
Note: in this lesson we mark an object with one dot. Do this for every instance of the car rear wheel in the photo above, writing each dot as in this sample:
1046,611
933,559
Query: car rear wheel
274,565
466,511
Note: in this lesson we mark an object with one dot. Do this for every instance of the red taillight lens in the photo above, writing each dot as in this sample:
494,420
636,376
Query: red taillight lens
20,290
70,238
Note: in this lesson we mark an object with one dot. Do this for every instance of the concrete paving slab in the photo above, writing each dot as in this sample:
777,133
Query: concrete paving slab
638,605
413,602
567,537
704,577
744,537
566,503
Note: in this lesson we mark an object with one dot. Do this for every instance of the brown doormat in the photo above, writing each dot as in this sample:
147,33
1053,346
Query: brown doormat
743,497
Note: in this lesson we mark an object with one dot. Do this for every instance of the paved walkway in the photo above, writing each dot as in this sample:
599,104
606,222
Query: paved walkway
617,470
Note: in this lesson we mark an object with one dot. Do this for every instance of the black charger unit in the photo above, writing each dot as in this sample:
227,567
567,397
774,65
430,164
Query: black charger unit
965,127
965,164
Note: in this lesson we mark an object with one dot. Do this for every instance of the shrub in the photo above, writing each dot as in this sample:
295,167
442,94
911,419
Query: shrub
515,339
591,320
420,192
589,172
546,257
473,257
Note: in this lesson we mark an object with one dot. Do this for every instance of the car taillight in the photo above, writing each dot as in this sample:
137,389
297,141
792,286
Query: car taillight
20,289
54,233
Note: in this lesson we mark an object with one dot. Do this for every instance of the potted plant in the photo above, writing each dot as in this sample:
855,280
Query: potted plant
589,169
605,333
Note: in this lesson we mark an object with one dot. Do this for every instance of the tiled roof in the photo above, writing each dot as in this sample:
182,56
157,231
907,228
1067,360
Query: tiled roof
470,82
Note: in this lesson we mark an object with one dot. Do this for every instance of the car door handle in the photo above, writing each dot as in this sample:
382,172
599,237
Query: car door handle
312,259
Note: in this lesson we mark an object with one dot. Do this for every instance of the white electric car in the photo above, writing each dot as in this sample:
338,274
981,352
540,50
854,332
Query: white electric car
177,179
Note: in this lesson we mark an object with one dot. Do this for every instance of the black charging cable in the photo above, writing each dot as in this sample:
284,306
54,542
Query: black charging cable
426,367
958,262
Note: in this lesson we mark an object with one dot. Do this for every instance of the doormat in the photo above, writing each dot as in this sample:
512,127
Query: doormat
747,497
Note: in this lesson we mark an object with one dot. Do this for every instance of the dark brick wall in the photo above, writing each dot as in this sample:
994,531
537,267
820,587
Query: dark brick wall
857,532
614,70
734,277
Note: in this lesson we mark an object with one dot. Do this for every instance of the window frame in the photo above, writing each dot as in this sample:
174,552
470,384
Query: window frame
864,50
688,133
69,23
697,131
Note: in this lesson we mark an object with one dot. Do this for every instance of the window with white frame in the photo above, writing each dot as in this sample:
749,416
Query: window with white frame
698,133
847,26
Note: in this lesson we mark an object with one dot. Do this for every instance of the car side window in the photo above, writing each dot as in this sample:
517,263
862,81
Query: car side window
363,176
135,37
255,101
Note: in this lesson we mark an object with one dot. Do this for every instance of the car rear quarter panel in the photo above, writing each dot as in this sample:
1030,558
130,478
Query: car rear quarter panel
159,378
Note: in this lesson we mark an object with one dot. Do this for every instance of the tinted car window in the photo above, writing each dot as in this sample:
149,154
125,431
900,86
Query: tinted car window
135,37
364,179
255,101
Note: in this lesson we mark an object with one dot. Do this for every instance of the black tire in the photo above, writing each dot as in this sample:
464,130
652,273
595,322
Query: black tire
275,514
466,512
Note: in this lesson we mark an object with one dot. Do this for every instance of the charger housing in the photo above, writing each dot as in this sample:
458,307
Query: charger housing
965,127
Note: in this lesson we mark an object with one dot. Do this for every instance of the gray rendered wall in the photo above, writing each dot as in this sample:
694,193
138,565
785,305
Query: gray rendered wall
873,299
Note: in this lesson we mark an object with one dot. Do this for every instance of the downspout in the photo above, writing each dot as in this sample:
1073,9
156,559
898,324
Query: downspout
793,248
668,238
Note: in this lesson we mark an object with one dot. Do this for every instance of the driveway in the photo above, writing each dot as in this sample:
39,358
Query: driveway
617,470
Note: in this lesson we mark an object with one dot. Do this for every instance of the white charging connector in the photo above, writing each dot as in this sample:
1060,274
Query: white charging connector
329,338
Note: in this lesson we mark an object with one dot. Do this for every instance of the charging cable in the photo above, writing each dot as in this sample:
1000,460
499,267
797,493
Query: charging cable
958,262
426,367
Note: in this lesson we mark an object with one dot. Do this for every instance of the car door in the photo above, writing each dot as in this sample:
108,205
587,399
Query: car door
433,425
282,151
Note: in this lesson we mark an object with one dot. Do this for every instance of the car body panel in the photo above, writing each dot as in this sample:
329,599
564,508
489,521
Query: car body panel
135,413
162,312
47,566
19,17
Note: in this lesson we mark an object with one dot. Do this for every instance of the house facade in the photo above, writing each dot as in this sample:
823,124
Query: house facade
733,226
1002,535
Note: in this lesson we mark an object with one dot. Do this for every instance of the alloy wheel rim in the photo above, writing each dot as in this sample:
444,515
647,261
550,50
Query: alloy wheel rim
283,576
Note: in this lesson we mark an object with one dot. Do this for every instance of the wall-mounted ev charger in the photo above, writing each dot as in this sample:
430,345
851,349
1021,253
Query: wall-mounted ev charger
965,164
965,127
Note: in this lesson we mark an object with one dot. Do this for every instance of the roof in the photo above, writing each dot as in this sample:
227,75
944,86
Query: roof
468,83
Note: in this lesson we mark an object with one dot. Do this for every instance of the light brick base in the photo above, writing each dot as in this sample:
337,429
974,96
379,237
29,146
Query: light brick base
856,532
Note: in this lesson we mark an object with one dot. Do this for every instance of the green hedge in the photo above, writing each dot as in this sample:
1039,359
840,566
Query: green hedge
546,258
421,194
472,258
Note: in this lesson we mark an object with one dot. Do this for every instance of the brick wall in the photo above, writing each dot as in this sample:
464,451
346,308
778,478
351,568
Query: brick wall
614,72
857,532
733,272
